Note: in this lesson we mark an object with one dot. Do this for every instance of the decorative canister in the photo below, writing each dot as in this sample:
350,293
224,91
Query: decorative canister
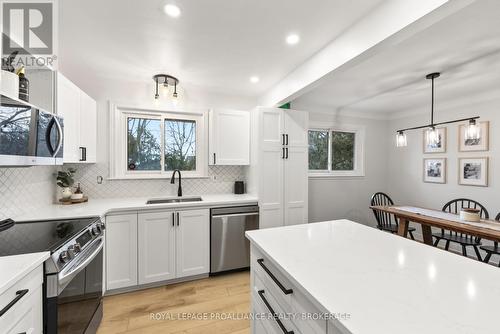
470,215
66,193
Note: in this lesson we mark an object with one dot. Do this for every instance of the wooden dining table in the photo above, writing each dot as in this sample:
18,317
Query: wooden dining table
427,218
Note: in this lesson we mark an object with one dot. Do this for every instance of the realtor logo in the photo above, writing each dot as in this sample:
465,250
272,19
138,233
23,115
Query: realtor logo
28,28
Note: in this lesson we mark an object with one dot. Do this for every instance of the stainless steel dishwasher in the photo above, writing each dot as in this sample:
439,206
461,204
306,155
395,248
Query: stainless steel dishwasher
229,249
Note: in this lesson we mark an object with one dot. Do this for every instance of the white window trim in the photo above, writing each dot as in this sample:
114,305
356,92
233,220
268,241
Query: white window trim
118,141
359,150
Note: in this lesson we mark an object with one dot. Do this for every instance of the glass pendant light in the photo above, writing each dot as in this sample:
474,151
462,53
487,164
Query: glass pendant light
473,131
432,137
401,139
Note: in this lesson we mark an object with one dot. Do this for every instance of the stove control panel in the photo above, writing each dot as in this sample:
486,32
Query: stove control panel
72,248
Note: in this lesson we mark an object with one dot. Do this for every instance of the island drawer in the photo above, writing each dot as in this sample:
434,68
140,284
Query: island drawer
289,299
270,317
273,280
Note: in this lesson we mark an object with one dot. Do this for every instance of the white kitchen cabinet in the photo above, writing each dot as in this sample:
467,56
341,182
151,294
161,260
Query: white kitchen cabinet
192,243
270,167
121,251
88,129
25,315
280,171
80,128
229,137
156,245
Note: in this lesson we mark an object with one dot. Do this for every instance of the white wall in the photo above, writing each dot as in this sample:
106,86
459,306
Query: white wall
405,169
349,197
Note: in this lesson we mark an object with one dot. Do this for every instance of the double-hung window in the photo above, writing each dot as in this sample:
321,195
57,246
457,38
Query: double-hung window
151,144
336,151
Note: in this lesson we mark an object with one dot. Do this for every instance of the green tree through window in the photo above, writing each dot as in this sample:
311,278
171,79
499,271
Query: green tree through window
341,150
318,150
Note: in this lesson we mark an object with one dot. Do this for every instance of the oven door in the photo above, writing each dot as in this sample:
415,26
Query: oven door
78,309
49,143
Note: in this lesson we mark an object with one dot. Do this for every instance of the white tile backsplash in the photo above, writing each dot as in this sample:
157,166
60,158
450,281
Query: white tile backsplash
220,181
25,189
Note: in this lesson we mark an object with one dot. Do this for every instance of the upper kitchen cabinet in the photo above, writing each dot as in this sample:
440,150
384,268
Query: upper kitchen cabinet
229,137
80,121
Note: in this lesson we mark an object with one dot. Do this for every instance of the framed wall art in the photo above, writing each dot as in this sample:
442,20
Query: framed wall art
474,145
473,171
435,170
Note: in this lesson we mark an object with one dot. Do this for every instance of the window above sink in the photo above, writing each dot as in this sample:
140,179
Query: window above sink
150,143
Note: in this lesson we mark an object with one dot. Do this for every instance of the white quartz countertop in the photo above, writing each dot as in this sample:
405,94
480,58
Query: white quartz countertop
102,207
388,284
15,267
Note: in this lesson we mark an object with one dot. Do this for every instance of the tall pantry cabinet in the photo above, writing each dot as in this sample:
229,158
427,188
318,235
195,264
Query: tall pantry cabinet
279,169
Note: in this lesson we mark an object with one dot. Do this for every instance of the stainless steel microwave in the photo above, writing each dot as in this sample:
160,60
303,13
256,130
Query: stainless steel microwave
29,136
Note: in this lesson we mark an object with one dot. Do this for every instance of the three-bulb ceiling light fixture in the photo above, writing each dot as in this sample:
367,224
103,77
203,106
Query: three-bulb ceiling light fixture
165,80
432,135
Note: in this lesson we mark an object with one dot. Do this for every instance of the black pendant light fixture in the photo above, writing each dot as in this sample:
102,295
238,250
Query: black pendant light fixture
432,135
165,80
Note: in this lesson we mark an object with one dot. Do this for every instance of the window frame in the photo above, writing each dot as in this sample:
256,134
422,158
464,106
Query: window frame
118,157
359,153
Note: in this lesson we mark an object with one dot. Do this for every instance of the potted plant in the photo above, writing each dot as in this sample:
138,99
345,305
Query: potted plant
65,180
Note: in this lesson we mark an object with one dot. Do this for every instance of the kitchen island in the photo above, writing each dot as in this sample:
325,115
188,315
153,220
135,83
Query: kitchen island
344,277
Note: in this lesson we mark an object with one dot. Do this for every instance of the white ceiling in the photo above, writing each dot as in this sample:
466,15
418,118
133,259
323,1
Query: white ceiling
215,44
465,47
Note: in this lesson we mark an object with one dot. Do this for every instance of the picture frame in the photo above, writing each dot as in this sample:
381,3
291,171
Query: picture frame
473,171
440,147
434,170
474,146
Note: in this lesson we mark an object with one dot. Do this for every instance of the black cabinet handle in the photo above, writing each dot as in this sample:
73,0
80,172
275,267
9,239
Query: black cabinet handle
286,139
283,139
275,316
19,294
173,219
278,283
286,149
83,153
177,218
214,159
283,153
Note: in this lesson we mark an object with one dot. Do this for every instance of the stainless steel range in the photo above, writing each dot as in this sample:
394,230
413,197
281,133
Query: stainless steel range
73,274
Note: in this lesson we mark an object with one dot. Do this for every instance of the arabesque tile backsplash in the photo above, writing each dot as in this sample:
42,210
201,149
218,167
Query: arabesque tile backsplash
26,189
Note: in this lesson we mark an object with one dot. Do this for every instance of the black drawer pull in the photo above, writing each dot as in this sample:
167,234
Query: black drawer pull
278,283
19,294
275,316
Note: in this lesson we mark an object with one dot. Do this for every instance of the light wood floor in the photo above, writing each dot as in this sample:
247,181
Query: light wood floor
131,312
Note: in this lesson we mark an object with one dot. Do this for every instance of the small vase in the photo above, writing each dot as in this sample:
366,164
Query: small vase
66,193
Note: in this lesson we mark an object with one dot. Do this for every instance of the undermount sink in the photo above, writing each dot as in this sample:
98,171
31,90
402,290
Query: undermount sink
173,200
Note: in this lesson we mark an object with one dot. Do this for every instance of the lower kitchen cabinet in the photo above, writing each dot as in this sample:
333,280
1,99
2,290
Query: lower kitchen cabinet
22,305
121,251
149,247
156,245
193,243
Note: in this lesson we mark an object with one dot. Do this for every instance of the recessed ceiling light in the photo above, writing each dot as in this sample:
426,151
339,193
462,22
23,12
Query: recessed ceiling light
172,10
292,39
254,79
